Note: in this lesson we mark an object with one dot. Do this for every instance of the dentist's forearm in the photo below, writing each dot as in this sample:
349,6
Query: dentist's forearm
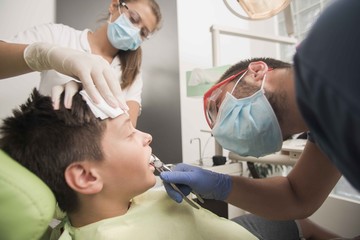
296,196
272,198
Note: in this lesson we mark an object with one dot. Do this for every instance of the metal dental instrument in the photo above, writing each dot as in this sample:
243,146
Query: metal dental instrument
196,194
161,167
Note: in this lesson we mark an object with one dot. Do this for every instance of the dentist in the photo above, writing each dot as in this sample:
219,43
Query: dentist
106,61
260,102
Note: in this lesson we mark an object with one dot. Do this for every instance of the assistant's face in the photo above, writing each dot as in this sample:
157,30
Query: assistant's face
140,14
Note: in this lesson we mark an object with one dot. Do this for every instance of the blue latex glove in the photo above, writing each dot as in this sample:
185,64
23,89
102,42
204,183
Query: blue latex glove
208,184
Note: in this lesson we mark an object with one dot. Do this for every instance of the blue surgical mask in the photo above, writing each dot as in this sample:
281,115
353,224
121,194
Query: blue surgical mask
248,126
123,35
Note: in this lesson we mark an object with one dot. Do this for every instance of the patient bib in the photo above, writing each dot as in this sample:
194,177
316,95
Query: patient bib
154,216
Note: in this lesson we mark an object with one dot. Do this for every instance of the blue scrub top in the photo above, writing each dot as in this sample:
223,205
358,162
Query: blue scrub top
327,74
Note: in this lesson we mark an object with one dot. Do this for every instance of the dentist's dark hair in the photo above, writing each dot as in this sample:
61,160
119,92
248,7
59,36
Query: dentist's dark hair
243,89
242,65
47,141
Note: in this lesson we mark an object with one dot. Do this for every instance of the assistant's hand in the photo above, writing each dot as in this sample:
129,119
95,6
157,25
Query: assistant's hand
94,72
70,88
210,185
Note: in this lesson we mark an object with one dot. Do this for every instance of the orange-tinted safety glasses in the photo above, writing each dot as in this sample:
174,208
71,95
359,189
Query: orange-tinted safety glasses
211,103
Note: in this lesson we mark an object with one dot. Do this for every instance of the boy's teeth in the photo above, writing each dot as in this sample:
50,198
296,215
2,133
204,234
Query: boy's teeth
151,159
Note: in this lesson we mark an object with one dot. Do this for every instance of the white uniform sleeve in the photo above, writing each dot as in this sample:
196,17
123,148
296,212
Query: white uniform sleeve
43,33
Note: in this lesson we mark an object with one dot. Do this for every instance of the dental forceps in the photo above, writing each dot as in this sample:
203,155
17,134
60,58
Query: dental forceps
161,167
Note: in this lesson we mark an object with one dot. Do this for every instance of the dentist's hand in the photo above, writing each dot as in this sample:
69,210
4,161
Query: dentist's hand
94,72
207,184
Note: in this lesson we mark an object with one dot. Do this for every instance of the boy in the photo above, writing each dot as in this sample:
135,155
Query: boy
100,174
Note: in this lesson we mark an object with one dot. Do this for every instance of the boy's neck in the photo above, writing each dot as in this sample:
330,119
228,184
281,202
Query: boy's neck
91,214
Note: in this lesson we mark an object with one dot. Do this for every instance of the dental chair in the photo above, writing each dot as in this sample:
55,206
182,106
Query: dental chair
27,205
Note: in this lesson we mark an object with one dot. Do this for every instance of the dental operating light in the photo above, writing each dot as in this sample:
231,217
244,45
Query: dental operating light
256,9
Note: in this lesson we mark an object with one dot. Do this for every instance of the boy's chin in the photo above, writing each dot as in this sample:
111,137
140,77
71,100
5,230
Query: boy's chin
151,183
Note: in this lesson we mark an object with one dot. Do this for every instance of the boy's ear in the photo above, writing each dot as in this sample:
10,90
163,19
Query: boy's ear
258,70
83,178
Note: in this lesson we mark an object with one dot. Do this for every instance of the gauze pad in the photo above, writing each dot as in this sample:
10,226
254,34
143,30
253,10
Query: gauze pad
101,110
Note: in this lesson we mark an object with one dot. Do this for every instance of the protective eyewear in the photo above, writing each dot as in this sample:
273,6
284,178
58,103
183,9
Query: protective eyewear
211,98
136,20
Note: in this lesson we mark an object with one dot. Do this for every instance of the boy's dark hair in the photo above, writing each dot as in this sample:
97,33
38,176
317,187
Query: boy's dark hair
47,141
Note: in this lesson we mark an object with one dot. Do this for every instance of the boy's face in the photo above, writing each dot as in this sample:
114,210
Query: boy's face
126,170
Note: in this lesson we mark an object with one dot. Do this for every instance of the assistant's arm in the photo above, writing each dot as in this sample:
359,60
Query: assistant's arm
293,197
12,61
94,72
134,109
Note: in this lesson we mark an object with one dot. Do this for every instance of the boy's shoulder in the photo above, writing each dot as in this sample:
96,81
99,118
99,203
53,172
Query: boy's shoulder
154,215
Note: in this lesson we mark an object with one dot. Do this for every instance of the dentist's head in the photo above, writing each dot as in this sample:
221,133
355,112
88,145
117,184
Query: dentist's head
248,108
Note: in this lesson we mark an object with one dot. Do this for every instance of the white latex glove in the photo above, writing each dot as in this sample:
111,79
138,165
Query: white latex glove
94,72
70,88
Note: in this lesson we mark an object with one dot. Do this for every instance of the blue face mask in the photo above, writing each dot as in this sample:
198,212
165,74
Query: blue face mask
123,35
248,126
